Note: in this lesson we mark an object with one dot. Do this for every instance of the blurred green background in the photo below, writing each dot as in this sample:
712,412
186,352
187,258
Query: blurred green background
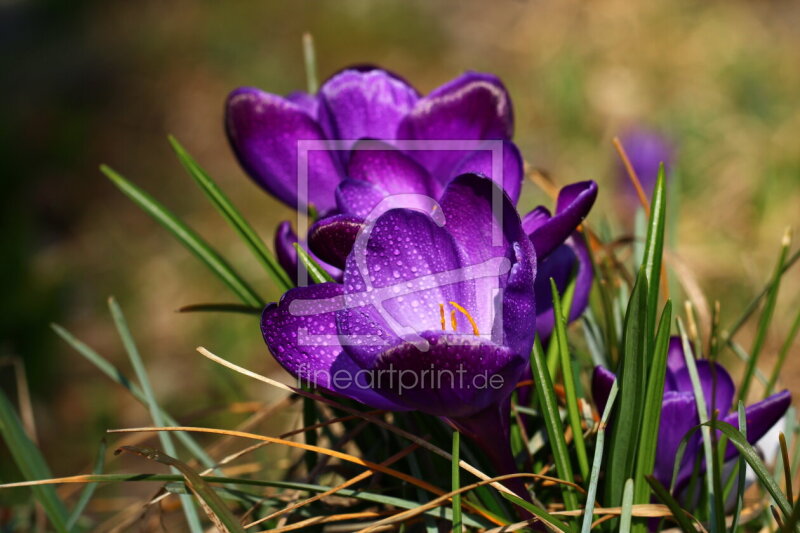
90,82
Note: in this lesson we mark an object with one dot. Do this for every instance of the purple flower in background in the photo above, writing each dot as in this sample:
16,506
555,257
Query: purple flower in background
436,312
679,411
370,118
646,149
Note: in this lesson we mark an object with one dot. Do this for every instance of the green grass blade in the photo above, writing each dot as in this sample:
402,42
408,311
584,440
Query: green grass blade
538,512
233,216
88,492
753,305
654,248
627,507
787,344
31,464
117,376
569,382
654,397
221,308
683,521
422,496
791,523
552,420
152,404
310,419
315,272
702,414
553,353
766,317
751,456
188,237
742,472
211,502
591,494
740,352
310,62
455,476
631,377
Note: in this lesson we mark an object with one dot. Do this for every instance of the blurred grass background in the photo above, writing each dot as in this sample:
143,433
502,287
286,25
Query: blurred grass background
89,82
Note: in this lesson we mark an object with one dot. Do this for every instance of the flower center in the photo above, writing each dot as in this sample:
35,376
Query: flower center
453,321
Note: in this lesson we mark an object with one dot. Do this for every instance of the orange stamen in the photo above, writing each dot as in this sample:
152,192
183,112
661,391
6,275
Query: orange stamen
466,314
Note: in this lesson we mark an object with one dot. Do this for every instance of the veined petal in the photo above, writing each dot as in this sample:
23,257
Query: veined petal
718,387
358,198
396,281
574,203
264,131
488,231
509,168
358,103
761,416
300,331
390,169
535,219
678,416
285,253
307,102
474,106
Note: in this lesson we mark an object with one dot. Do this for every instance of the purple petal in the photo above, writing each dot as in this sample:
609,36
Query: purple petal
535,219
307,102
486,227
263,130
646,149
718,387
675,358
574,203
300,331
760,417
678,416
473,106
357,198
390,283
559,265
457,376
390,169
602,381
331,239
285,253
365,103
480,162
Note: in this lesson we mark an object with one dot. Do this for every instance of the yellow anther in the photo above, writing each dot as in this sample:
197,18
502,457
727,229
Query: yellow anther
441,315
466,314
453,319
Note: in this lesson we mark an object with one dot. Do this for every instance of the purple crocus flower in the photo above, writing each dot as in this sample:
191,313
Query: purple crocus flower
560,248
646,149
436,313
357,105
679,411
